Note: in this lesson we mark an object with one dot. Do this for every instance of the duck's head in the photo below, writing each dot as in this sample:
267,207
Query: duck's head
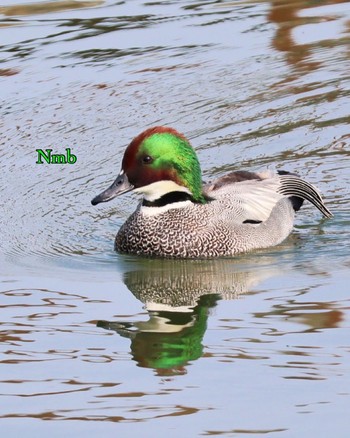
158,161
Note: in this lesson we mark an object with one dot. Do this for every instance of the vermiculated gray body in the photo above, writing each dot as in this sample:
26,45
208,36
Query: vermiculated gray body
241,216
194,232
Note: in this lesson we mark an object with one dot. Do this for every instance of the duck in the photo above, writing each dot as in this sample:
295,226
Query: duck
181,217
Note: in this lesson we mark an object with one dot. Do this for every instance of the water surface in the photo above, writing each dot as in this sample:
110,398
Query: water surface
96,342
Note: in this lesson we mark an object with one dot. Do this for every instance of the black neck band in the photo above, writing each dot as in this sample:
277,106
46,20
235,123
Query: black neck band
169,198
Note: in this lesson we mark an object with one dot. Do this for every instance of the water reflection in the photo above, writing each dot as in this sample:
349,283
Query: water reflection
170,339
47,7
178,296
288,16
315,315
223,72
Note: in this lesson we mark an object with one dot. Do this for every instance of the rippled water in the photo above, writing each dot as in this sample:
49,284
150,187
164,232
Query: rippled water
258,345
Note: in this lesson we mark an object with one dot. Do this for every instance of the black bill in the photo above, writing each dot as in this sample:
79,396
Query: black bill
120,185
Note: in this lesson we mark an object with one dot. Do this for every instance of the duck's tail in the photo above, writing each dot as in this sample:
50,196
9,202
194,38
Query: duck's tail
299,190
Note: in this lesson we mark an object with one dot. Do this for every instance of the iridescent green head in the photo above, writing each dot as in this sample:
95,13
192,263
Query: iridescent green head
156,162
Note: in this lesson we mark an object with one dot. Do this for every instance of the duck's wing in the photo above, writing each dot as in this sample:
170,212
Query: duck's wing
245,197
252,196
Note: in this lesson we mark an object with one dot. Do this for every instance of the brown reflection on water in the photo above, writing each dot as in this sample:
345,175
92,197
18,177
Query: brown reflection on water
298,354
8,71
138,413
230,432
47,7
308,361
288,16
317,316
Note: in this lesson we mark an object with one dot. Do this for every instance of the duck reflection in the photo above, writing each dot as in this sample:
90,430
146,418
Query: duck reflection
178,295
171,337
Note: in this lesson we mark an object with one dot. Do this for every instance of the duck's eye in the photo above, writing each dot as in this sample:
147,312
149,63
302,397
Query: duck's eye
147,159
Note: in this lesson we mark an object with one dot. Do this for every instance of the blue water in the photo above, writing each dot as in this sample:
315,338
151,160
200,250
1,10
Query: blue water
96,342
